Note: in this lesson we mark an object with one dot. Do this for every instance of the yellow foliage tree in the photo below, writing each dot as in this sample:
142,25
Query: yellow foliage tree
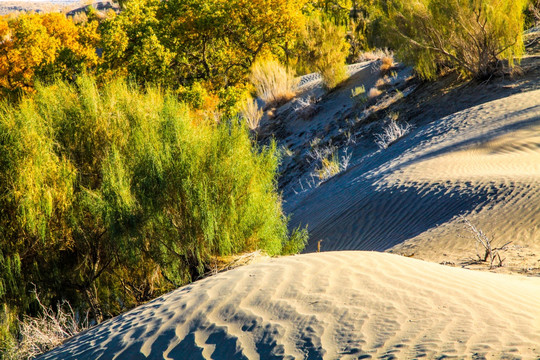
220,40
44,46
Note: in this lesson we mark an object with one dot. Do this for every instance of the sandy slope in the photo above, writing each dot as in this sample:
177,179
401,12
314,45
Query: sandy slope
483,162
335,305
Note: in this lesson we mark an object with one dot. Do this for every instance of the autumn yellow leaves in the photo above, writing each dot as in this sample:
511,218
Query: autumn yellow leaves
48,45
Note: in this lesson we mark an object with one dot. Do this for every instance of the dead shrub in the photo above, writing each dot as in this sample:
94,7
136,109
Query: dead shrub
306,108
48,330
373,93
387,63
490,252
392,132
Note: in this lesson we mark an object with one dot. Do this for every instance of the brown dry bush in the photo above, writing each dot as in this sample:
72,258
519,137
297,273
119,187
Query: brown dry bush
373,93
387,63
274,83
47,330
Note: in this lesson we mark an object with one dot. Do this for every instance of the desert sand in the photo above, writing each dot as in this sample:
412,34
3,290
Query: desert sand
334,305
482,162
476,159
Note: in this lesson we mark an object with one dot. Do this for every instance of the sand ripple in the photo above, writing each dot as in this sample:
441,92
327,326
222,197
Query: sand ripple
335,305
483,162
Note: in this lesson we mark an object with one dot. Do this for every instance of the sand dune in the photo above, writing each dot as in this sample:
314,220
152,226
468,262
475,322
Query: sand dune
336,305
483,162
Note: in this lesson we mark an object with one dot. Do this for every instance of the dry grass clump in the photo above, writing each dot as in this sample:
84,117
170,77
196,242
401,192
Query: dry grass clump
382,82
252,113
392,132
358,91
329,168
387,63
48,330
373,93
274,83
330,162
373,55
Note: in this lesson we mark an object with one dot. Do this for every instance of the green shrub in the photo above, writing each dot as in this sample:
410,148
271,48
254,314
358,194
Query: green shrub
472,36
194,96
7,329
326,50
112,196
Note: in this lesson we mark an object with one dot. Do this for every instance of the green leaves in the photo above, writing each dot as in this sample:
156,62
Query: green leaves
470,36
217,40
108,191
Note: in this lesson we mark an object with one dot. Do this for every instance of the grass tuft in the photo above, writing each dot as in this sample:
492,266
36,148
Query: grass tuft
252,113
387,63
274,83
392,132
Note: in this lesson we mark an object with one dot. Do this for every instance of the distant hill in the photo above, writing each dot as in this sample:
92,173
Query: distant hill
69,7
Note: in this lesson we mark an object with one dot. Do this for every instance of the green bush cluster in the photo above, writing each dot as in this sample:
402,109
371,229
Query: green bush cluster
322,48
112,196
329,51
472,36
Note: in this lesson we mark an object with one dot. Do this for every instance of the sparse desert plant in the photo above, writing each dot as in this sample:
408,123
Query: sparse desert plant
252,113
285,151
490,252
387,62
318,153
329,167
306,107
314,142
470,36
392,132
358,94
49,329
373,93
330,162
274,83
357,91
